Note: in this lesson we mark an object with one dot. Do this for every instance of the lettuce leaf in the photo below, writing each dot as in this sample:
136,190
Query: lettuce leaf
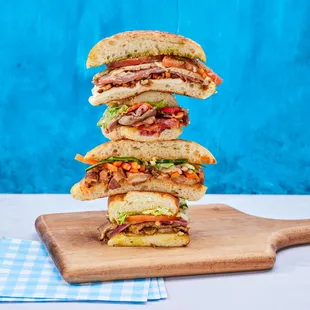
110,113
167,166
183,204
158,211
159,104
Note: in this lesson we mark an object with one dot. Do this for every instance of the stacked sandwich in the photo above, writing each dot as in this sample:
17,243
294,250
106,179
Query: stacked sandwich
147,173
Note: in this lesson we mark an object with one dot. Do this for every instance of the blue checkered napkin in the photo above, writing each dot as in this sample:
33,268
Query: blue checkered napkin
154,292
10,250
26,271
162,288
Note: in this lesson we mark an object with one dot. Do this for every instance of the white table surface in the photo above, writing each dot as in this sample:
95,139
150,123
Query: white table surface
286,286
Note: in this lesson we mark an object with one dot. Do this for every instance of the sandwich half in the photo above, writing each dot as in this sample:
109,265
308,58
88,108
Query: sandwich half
146,219
140,61
118,167
149,116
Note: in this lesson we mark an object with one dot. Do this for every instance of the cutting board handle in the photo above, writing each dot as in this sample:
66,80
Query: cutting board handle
290,232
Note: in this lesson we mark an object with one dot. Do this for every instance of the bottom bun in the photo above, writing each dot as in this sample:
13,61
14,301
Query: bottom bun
188,192
157,240
131,133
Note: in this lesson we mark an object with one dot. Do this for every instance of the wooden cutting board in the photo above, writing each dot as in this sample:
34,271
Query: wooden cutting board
222,240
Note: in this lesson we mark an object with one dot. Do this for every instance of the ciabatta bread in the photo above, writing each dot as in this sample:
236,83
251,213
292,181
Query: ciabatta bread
133,44
132,133
100,190
193,152
150,97
156,240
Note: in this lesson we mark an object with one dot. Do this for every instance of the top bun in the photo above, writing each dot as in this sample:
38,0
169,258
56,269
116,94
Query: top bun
193,152
133,44
136,202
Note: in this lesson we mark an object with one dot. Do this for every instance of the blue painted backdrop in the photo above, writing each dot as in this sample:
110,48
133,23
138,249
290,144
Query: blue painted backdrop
257,125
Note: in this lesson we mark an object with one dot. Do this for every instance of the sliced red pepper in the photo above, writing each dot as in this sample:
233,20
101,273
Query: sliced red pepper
171,110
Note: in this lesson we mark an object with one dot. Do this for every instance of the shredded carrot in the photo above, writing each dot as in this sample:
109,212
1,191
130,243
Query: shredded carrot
142,168
84,160
117,163
126,166
135,165
192,175
133,170
109,167
175,174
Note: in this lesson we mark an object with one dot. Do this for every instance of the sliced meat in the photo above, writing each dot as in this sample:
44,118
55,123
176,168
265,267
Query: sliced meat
136,178
140,110
113,124
185,119
168,123
150,228
114,184
105,175
125,77
184,180
182,116
130,119
91,178
137,228
201,175
119,175
186,75
104,229
148,121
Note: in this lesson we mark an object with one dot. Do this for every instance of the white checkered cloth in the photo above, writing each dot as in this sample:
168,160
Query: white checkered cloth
27,273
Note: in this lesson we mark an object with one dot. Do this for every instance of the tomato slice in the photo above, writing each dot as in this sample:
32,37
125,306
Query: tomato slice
134,61
171,110
149,218
215,78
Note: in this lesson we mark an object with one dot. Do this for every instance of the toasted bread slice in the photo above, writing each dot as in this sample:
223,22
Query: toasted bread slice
157,240
100,190
150,97
133,44
193,152
132,133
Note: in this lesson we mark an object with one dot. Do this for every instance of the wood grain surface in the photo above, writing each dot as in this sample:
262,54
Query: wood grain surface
222,240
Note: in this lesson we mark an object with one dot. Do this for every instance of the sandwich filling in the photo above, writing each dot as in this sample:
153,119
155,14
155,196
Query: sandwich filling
148,222
121,171
149,118
129,72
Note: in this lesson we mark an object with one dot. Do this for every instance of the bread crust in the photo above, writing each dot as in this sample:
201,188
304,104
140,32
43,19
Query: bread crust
149,96
173,149
156,240
132,133
133,44
100,190
176,86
